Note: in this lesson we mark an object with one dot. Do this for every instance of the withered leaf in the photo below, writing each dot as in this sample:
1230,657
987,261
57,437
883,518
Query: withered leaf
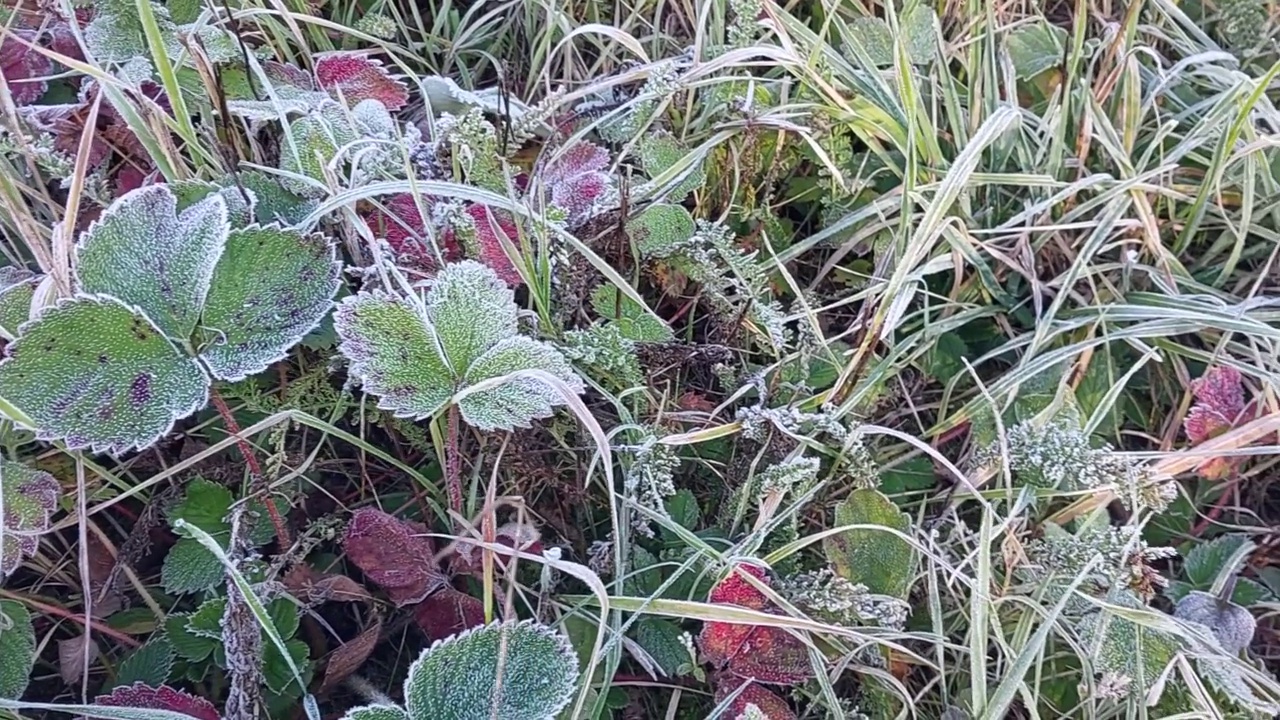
394,555
348,657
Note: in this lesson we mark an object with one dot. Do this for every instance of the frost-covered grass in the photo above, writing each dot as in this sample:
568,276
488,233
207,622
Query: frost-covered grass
781,360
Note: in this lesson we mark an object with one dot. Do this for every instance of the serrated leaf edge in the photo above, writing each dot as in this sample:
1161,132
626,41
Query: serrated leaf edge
107,449
335,270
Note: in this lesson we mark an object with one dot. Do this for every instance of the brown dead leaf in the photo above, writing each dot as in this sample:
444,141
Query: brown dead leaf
348,657
71,662
313,587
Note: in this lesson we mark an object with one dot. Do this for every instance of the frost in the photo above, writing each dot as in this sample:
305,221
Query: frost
757,652
100,375
659,229
356,77
168,275
576,180
17,648
29,498
1219,407
416,358
394,555
270,289
145,697
875,558
514,671
113,369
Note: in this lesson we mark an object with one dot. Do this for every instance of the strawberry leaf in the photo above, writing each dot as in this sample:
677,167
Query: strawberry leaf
23,68
1219,407
147,254
99,374
17,288
270,288
140,696
393,554
17,648
355,77
514,671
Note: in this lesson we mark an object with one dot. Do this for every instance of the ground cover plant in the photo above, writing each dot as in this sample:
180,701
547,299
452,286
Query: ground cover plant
385,360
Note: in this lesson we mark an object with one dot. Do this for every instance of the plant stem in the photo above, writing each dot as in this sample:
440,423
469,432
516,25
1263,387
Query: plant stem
255,470
453,461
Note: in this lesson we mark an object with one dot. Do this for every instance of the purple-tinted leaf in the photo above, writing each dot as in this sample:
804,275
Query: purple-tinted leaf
159,698
24,68
394,554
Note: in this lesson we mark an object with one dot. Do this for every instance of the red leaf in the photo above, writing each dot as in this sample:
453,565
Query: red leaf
759,652
393,554
448,612
284,74
359,77
575,179
405,230
491,226
140,696
23,67
1219,407
773,707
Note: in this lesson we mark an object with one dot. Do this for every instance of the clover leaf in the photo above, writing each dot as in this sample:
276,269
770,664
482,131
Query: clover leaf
418,356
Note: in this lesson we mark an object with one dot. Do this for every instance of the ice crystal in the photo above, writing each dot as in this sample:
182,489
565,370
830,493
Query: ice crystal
650,480
835,599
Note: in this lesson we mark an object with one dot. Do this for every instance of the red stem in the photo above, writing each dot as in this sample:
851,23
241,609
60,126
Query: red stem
453,462
255,470
79,618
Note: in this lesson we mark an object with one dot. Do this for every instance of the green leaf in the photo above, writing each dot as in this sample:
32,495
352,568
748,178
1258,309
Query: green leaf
659,229
634,322
375,712
471,310
317,137
513,671
240,211
876,39
1227,678
277,673
683,508
1207,559
17,288
660,151
397,351
206,621
17,649
910,475
190,646
1125,647
393,351
98,374
29,497
517,401
284,615
146,254
149,664
275,203
188,568
1035,47
270,288
206,505
883,562
662,639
